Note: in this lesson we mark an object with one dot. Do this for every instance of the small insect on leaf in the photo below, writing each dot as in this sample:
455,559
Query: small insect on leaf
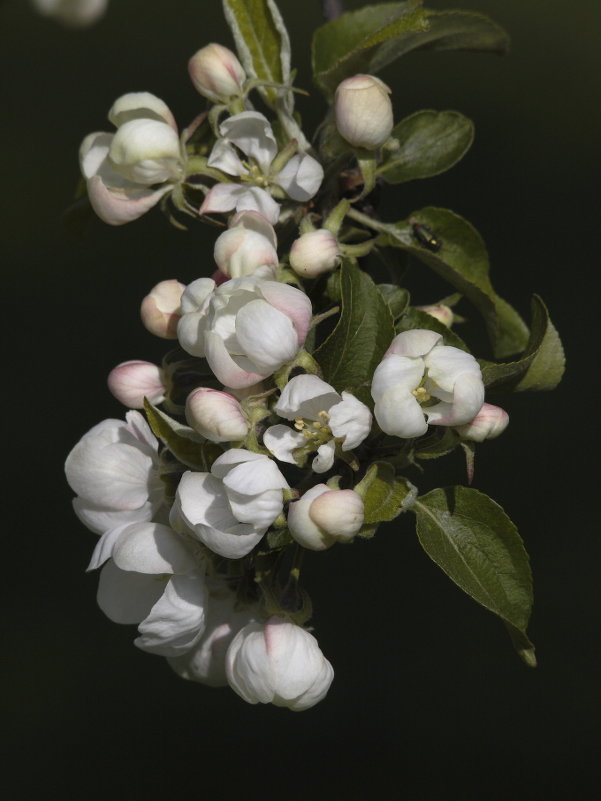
425,236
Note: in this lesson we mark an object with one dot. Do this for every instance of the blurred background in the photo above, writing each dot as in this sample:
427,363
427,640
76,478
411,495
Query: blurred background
429,702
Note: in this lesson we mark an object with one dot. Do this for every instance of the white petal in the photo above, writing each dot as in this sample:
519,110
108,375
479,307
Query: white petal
301,177
468,397
306,396
398,413
127,597
266,335
350,419
291,302
138,105
253,198
414,343
445,364
93,151
117,207
228,370
224,157
104,547
100,519
325,457
258,510
253,477
153,548
221,198
248,668
251,132
146,151
281,441
176,622
403,373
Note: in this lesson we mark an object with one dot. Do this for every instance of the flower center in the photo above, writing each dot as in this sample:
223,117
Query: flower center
318,431
421,395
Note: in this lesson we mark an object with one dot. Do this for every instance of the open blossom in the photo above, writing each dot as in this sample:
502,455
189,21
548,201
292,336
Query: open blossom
131,382
230,508
154,579
114,471
128,172
324,516
249,244
250,134
417,370
322,417
247,328
205,662
278,663
77,13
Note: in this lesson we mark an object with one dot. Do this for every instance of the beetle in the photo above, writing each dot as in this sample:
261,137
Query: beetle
425,236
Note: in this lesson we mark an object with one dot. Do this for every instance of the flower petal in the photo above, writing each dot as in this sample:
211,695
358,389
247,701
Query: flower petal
325,457
137,105
116,207
291,302
266,335
229,371
398,413
127,597
153,548
301,177
468,397
403,373
350,419
225,158
414,343
281,441
251,132
306,396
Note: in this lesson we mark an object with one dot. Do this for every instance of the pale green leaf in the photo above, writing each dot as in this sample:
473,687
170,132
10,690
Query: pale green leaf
184,443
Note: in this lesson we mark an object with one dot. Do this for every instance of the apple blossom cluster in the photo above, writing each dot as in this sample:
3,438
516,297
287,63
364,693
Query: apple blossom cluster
300,396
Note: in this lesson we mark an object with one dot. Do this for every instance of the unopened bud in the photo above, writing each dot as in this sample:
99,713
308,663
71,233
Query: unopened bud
216,73
324,516
131,382
314,253
444,314
249,243
489,423
363,111
160,310
216,415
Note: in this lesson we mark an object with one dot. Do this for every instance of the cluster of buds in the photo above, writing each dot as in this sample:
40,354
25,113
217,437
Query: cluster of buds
200,510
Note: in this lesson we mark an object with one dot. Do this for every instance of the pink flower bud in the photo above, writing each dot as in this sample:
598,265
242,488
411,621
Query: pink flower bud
324,516
216,73
363,111
489,423
131,382
314,253
216,415
248,244
444,314
160,310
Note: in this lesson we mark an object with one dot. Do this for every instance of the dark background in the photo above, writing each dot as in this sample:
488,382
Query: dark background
429,700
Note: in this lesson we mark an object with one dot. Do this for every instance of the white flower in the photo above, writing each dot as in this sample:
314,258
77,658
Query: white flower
122,170
363,111
418,368
279,663
246,329
77,13
248,244
218,416
324,516
160,309
321,417
131,382
250,133
230,508
114,471
154,579
490,422
314,253
205,662
216,73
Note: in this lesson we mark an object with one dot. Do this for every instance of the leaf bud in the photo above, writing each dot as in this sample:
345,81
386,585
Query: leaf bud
160,310
216,73
324,516
489,423
314,253
216,415
131,382
363,111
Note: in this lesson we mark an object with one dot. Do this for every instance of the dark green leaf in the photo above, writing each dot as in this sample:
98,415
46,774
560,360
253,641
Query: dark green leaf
462,260
184,443
430,142
261,40
471,538
351,43
362,334
371,38
416,318
396,297
384,496
543,363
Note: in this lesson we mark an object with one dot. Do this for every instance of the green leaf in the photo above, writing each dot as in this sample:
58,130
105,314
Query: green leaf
371,38
471,538
416,318
430,142
262,42
184,443
384,496
364,330
352,43
396,297
462,260
542,364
